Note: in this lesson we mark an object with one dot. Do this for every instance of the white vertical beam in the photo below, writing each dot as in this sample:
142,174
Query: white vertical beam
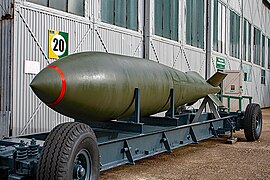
208,38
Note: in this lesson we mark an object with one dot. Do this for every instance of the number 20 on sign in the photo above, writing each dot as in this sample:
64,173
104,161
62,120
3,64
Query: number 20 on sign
58,44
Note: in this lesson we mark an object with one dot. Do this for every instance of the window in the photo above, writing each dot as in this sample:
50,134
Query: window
71,6
123,13
256,46
59,4
219,34
195,23
41,2
263,51
234,35
247,69
249,42
245,41
268,53
262,76
166,18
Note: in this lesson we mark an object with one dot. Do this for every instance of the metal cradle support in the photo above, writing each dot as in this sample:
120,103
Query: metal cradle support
166,143
193,136
203,106
127,151
137,105
171,110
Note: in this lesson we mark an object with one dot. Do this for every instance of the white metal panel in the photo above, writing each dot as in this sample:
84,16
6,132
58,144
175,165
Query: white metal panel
248,10
256,88
184,58
31,43
112,39
236,5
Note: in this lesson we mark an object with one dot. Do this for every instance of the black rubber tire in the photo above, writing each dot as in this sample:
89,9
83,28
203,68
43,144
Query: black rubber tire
253,122
60,149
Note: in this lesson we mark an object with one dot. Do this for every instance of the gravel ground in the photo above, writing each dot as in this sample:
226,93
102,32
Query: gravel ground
211,159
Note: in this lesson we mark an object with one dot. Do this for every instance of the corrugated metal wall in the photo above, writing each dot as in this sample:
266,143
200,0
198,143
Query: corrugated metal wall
6,29
32,23
31,26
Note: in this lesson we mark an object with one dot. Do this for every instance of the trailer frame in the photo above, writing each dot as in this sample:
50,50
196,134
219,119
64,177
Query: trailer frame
127,140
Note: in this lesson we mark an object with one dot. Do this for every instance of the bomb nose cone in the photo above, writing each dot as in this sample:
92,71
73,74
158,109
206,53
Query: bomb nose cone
47,85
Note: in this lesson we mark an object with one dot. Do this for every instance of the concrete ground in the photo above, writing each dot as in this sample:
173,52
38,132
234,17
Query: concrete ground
211,159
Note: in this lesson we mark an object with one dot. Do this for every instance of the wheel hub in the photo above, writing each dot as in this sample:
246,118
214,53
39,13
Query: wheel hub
82,166
258,123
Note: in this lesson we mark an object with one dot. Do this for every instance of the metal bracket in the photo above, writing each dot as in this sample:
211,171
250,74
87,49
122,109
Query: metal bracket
171,110
212,129
202,107
165,141
137,105
127,150
193,136
135,117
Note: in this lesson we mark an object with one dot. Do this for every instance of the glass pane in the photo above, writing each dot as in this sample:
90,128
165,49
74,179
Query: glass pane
223,29
249,42
174,29
257,42
194,24
107,11
200,23
120,13
215,28
262,76
188,21
259,47
245,40
132,14
158,17
263,51
237,36
41,2
166,18
76,7
268,53
231,33
59,4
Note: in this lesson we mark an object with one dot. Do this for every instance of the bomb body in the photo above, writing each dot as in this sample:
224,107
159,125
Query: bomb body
96,86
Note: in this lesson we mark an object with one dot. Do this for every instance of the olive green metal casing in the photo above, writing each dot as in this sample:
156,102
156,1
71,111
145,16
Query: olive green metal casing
100,86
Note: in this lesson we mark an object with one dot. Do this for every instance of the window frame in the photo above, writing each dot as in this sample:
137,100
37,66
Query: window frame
257,47
159,29
263,37
127,26
263,76
216,32
199,30
234,35
83,15
268,53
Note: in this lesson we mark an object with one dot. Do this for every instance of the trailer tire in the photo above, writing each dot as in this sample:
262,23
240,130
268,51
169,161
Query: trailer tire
253,122
69,152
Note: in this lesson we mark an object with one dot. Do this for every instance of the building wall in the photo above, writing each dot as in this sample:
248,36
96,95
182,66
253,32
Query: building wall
6,45
88,33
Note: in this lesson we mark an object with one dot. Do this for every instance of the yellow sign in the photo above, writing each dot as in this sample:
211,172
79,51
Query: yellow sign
58,44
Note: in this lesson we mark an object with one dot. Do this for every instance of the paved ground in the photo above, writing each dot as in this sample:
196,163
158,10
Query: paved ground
211,159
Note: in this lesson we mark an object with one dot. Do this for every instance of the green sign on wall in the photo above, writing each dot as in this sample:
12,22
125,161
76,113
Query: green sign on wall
220,63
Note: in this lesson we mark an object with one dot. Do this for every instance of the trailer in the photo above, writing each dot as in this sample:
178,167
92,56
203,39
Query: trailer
76,150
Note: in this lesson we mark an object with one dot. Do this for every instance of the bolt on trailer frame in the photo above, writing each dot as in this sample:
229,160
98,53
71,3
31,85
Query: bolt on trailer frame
125,141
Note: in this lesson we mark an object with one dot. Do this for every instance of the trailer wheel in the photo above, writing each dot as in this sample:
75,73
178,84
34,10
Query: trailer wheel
253,122
69,152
